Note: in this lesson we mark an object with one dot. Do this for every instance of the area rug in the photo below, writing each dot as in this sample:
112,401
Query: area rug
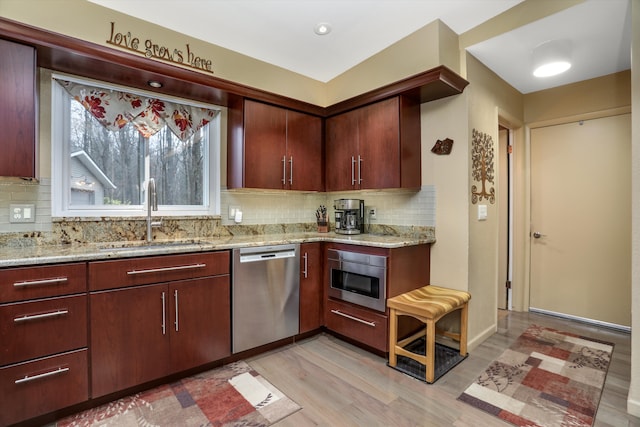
233,395
546,378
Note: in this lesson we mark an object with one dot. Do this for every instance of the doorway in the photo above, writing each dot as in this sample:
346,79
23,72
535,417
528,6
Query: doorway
505,210
581,220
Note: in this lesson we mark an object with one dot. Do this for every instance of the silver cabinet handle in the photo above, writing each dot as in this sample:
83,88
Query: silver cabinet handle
28,378
284,170
165,269
175,297
359,170
537,235
164,316
51,281
353,172
348,316
291,170
305,265
41,316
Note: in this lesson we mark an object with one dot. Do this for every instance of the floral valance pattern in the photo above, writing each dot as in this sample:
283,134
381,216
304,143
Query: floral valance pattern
115,109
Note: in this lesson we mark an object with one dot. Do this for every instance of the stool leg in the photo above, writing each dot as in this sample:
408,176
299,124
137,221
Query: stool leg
393,336
431,350
464,317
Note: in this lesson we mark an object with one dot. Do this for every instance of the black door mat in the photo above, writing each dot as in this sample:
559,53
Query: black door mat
446,359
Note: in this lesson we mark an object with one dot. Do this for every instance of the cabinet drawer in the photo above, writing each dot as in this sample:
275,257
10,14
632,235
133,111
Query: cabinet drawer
364,326
40,328
19,284
42,386
147,270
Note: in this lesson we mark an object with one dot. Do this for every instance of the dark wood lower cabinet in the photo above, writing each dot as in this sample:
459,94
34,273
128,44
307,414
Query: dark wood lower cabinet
311,294
200,322
144,333
128,346
360,324
42,385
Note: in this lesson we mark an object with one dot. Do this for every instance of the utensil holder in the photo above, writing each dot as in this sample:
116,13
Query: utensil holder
323,227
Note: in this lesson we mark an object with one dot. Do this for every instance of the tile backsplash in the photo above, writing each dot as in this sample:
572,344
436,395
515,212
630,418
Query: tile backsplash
394,207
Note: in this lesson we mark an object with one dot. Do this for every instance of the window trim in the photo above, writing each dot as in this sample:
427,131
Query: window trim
60,158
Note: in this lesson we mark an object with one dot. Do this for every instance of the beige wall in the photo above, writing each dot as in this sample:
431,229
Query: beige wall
587,98
448,118
633,400
92,23
488,96
433,45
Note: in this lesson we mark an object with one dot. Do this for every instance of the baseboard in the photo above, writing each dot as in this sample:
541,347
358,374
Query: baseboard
633,407
479,339
615,326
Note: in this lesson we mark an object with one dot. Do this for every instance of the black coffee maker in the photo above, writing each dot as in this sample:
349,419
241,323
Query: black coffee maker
349,216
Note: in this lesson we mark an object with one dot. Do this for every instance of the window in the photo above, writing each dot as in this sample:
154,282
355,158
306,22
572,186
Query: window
103,159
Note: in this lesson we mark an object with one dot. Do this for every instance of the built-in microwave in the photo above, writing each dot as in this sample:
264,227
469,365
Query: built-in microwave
358,278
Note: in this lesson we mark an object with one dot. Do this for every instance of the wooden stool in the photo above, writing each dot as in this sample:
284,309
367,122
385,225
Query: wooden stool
427,304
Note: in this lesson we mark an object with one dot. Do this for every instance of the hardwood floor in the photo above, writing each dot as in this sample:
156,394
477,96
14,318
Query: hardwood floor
338,384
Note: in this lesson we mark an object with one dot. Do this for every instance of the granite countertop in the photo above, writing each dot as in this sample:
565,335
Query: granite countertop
49,254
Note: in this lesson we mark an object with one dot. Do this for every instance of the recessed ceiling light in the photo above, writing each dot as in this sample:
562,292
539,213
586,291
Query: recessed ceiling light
154,83
322,29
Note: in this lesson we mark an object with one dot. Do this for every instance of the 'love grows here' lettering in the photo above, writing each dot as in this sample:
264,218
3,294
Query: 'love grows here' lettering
153,50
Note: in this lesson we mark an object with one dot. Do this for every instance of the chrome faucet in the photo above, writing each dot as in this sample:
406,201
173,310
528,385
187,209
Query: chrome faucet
152,204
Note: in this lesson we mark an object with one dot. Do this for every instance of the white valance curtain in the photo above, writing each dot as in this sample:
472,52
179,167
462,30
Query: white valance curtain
115,109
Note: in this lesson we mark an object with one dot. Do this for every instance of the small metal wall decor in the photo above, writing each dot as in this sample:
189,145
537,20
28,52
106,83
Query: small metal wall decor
442,147
482,167
155,51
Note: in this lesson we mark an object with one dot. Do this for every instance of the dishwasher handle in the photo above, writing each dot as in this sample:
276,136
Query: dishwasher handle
267,253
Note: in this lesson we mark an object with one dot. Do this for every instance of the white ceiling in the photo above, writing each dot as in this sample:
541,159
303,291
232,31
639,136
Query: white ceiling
280,32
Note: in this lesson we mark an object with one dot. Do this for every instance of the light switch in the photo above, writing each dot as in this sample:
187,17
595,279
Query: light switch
482,212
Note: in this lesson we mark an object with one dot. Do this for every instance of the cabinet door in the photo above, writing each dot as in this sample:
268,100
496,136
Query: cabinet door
129,341
379,145
305,166
200,321
341,151
311,294
265,133
17,110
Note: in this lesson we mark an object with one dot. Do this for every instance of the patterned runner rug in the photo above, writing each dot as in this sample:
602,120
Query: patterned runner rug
546,378
232,395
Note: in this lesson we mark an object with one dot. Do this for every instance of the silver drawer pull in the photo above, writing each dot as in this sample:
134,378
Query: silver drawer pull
53,281
28,378
40,316
348,316
165,269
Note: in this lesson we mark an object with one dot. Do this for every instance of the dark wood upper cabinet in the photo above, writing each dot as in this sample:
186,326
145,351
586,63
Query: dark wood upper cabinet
274,148
17,110
375,147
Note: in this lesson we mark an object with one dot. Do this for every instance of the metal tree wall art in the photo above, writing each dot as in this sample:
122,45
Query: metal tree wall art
482,167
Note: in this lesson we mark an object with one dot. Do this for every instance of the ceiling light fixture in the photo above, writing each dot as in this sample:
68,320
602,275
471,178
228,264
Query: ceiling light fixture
322,29
551,58
155,84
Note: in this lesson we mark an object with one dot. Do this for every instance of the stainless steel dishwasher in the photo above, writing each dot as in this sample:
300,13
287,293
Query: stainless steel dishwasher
265,295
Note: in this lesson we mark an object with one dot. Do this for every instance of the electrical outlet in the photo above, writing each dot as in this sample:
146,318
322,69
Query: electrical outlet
22,213
232,211
373,212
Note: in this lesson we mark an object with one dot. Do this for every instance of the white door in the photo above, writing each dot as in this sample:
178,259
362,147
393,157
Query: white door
581,219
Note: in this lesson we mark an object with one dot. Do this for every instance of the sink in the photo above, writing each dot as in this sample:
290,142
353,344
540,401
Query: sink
144,246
